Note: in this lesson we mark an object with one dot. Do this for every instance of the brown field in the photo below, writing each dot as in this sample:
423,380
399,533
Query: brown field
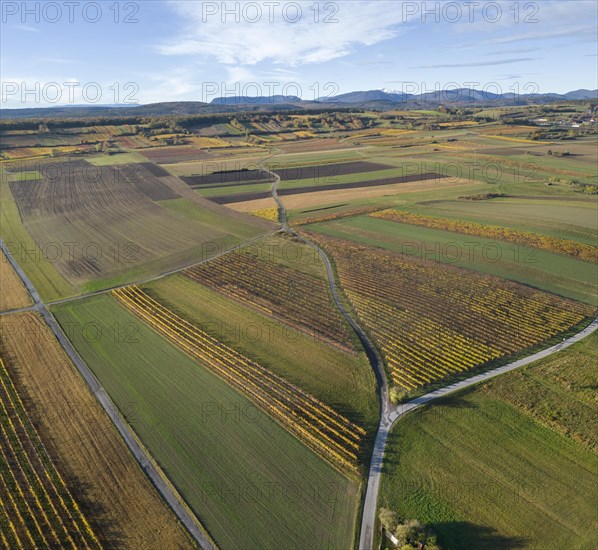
123,508
154,169
224,177
215,164
429,176
240,197
249,206
13,294
321,198
320,171
183,154
237,197
165,155
109,216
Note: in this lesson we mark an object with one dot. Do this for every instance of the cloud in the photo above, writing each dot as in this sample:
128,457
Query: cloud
60,60
519,50
273,37
174,85
26,28
476,64
580,32
369,63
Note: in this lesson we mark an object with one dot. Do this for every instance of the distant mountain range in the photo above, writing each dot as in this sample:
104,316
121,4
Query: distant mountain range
462,95
370,99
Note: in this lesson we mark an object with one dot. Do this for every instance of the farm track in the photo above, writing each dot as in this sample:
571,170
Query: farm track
391,414
156,475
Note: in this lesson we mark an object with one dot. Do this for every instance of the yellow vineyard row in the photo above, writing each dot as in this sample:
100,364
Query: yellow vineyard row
40,510
320,427
581,251
431,320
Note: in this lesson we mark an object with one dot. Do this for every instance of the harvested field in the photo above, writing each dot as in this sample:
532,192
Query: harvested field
264,204
110,488
322,171
103,221
13,294
238,197
307,146
317,199
154,169
165,155
430,176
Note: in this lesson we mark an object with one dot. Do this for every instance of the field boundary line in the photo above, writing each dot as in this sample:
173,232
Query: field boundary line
155,474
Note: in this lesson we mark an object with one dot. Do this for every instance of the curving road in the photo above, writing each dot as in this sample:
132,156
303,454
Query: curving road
369,510
390,414
152,470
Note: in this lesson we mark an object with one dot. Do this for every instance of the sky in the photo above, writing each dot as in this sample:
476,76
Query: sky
123,52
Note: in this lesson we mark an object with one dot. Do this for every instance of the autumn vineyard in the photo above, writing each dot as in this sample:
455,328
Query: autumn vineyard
37,509
432,320
321,428
296,298
581,251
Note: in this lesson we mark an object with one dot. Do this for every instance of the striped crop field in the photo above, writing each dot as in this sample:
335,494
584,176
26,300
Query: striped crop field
431,320
37,509
320,427
298,299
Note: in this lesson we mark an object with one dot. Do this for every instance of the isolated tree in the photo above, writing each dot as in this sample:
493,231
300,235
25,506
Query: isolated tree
412,534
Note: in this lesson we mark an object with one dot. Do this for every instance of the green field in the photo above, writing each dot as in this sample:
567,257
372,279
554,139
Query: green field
498,473
566,219
120,158
341,379
251,483
544,270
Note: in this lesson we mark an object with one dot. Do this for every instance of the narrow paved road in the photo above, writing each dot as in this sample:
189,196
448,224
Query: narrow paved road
166,489
389,414
375,360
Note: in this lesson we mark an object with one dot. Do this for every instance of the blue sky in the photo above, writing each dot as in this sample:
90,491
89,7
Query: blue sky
151,51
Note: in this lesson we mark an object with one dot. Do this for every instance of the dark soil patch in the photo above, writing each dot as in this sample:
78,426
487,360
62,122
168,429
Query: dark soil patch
323,171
